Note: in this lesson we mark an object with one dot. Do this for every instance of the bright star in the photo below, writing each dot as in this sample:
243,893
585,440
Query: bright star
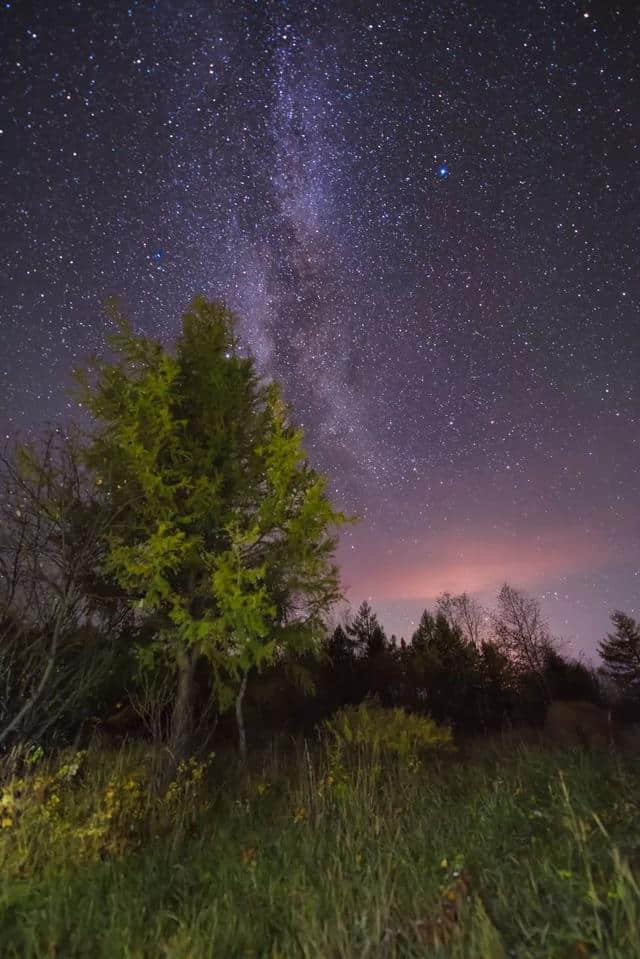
443,171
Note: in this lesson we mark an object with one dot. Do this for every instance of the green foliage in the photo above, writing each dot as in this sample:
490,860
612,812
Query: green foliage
86,807
387,731
528,854
222,533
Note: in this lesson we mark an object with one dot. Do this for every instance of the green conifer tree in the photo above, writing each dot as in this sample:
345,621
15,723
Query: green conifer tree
222,532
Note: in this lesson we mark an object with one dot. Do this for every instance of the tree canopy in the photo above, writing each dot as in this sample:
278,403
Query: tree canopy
222,532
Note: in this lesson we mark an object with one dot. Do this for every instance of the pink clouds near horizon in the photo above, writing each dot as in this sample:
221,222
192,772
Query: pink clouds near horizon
475,563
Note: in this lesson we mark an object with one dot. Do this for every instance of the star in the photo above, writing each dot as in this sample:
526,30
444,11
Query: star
463,361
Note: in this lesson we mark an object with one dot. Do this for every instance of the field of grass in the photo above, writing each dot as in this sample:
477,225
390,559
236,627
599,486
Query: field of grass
521,852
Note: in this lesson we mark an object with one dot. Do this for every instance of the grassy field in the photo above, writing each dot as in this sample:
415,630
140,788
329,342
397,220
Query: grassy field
518,852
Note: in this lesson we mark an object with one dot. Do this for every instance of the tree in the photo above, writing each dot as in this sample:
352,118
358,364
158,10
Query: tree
52,622
443,665
340,648
521,631
223,533
367,634
620,653
570,679
495,688
374,660
466,614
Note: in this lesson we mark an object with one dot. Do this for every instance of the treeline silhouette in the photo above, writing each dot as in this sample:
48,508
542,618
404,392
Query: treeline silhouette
476,671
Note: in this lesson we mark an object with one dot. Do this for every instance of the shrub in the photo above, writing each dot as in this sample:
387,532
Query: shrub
90,806
371,728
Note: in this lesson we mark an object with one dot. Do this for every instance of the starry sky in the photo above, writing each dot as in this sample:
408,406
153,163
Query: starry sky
426,215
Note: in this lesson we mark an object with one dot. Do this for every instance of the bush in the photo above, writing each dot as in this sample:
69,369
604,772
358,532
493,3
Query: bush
87,806
371,728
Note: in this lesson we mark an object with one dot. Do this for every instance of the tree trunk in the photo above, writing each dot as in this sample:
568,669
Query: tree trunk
242,736
182,718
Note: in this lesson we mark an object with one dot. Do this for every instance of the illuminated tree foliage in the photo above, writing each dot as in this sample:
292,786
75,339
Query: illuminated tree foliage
223,533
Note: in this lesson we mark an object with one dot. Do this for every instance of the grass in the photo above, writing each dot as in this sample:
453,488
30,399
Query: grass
528,853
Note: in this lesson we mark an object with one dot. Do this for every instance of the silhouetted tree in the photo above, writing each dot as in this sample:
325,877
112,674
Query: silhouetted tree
521,631
338,675
569,679
467,615
367,634
442,668
495,688
620,653
340,648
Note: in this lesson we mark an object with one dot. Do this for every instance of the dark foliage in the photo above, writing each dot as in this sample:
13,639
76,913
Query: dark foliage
620,653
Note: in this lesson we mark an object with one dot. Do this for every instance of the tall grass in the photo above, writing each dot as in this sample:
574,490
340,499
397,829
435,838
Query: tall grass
530,853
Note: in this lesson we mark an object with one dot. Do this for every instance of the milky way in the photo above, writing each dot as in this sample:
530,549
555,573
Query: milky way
426,215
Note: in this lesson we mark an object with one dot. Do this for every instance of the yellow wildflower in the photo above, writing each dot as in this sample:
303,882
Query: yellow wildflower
249,857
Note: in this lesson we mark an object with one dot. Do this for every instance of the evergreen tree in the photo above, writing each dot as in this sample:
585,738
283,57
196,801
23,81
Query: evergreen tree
340,680
366,632
443,668
620,652
340,647
570,679
222,532
496,687
374,658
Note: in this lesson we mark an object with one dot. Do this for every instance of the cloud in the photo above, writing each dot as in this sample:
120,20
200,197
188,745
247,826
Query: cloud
478,562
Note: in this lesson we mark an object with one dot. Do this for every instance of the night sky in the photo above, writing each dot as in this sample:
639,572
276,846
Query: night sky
426,215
